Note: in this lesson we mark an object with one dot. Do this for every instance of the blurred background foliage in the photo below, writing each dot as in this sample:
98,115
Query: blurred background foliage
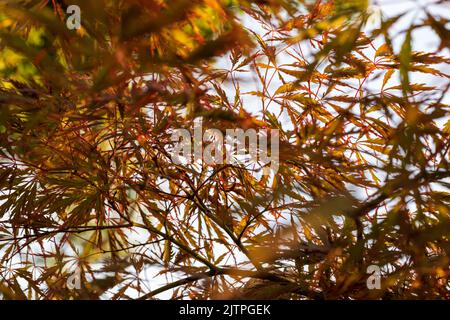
87,181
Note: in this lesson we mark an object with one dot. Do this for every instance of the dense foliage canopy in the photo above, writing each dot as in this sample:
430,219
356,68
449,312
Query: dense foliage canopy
87,179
